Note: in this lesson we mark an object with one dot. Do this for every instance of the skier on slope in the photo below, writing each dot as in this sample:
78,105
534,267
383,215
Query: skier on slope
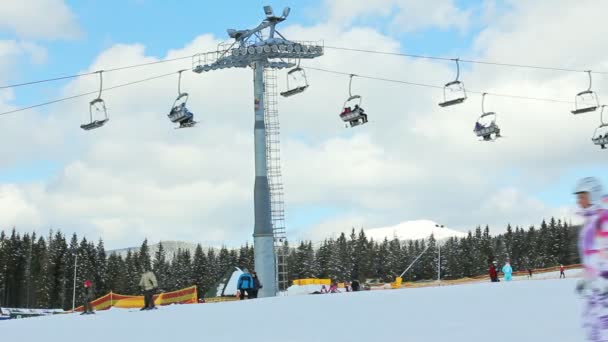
507,270
88,297
561,271
149,285
593,249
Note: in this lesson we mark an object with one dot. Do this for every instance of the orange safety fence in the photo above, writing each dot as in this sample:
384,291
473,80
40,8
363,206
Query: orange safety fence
183,296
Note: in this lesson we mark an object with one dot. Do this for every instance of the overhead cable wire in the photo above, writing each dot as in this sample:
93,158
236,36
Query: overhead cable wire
85,94
471,61
94,72
439,87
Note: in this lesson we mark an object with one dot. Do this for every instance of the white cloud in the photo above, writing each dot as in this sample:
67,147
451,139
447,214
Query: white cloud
138,177
400,15
45,19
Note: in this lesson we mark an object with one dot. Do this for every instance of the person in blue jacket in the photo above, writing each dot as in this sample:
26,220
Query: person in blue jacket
245,284
507,270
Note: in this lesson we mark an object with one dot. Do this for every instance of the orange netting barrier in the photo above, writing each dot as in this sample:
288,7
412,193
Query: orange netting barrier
183,296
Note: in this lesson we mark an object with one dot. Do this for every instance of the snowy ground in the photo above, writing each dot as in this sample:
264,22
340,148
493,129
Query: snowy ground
543,310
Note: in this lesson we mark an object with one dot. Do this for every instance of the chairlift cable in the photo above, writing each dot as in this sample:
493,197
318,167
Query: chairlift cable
84,94
471,61
94,72
440,87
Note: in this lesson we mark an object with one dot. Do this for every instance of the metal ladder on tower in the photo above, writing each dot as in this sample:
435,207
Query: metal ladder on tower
275,182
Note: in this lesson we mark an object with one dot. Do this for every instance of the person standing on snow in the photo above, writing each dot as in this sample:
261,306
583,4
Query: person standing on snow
245,284
507,270
88,297
257,285
561,271
149,284
493,272
593,249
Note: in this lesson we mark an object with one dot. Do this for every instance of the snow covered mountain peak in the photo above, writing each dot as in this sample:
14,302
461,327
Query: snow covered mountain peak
413,230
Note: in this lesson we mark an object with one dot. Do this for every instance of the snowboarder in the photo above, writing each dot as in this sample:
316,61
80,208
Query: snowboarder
245,284
561,271
149,284
493,272
257,285
88,297
507,270
593,248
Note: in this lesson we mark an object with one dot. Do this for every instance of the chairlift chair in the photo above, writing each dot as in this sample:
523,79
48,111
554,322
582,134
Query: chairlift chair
485,131
352,112
586,101
97,106
454,92
600,136
298,77
179,112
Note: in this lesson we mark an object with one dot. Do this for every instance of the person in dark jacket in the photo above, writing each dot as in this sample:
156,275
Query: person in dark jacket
493,272
355,285
88,297
245,284
257,285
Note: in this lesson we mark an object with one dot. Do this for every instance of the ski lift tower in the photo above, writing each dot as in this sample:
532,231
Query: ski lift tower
261,48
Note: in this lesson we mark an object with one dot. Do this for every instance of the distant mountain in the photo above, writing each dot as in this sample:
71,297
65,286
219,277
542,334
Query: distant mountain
170,248
413,230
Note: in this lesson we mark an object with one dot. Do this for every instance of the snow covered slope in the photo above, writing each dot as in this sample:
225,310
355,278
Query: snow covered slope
541,310
413,230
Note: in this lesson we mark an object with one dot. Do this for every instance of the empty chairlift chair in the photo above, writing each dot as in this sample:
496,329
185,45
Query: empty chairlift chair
454,92
179,112
486,127
586,101
600,136
296,81
98,113
352,112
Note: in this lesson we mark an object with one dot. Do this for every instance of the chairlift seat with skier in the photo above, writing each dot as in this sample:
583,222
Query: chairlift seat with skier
298,82
486,125
601,139
180,113
600,136
352,112
485,131
454,92
586,101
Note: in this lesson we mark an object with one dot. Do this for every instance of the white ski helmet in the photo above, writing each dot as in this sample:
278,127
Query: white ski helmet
592,186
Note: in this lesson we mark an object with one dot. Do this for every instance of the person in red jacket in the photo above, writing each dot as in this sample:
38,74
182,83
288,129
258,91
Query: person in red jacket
493,273
561,271
88,297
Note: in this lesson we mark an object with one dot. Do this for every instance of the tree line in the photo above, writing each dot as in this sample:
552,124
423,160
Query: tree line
38,271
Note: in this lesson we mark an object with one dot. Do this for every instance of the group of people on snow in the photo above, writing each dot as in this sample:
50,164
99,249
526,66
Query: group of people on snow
507,271
353,286
249,284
